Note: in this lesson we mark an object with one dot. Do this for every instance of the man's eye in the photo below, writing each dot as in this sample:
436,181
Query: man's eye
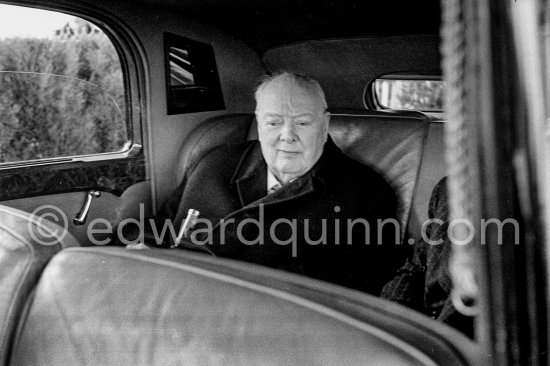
303,123
273,123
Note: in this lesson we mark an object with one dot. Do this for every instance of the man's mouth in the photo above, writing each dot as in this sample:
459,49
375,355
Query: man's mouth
289,152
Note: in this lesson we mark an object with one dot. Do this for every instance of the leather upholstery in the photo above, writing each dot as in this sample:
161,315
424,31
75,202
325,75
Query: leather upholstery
113,306
432,168
393,144
390,142
226,129
22,258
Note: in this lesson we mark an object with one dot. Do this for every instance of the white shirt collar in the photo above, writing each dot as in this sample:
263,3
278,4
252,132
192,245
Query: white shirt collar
271,180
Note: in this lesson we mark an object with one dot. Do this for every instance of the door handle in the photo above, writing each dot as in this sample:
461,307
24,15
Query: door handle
80,218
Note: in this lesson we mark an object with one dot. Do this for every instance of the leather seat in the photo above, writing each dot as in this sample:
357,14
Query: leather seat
391,142
114,306
26,246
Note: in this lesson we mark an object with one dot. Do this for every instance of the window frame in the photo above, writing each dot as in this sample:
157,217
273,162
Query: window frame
112,172
202,59
133,73
370,97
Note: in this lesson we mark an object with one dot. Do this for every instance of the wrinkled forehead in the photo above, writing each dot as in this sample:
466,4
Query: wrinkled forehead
288,97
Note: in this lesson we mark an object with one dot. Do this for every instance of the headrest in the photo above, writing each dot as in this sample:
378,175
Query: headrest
26,245
113,306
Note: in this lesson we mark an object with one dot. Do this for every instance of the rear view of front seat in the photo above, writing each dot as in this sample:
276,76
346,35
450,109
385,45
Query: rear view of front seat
27,243
113,306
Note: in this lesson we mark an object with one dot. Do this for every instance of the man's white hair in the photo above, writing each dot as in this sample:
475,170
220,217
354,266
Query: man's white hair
298,79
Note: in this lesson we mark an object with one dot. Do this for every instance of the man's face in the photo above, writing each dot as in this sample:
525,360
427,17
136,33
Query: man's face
292,128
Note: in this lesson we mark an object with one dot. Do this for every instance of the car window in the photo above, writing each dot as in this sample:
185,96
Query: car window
192,81
62,87
406,94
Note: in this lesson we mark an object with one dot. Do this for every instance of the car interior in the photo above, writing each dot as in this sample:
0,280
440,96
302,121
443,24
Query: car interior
187,73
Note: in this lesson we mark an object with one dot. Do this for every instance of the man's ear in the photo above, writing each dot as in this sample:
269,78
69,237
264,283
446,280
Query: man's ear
257,123
326,122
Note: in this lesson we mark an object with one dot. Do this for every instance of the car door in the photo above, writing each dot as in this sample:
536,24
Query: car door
71,114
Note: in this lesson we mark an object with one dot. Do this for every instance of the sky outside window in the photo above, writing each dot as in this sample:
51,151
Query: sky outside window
23,22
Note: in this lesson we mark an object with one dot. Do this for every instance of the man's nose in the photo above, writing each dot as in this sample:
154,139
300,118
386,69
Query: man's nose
288,133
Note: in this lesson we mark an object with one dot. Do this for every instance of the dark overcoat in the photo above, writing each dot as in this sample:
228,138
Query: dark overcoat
325,224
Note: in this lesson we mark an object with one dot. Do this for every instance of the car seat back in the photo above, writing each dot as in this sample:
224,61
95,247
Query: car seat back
27,243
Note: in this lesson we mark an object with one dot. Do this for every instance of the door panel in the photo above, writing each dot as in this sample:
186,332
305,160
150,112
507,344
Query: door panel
105,213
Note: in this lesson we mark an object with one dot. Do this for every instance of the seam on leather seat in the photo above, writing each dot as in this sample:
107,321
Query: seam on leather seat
321,309
31,250
23,317
417,118
21,324
417,178
11,311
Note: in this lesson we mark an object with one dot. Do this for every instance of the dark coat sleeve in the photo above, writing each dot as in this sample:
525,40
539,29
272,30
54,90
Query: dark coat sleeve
423,283
408,287
169,213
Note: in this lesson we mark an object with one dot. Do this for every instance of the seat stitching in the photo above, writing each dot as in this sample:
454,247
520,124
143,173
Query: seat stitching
11,303
418,170
419,118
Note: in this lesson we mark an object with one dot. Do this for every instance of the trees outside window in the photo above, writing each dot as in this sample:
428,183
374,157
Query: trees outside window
61,95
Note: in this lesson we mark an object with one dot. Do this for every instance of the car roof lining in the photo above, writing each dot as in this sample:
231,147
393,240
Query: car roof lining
271,23
333,62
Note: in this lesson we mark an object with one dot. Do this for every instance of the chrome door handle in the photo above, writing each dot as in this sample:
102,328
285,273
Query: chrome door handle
80,218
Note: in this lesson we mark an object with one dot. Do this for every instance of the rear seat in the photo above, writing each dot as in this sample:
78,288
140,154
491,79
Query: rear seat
405,147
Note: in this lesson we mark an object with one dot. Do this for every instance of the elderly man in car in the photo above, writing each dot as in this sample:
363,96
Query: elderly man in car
292,200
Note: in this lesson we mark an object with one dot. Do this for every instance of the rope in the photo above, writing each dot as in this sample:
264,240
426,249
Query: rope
460,153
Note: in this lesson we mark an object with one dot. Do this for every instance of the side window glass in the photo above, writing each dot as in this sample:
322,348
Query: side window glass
409,94
61,87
